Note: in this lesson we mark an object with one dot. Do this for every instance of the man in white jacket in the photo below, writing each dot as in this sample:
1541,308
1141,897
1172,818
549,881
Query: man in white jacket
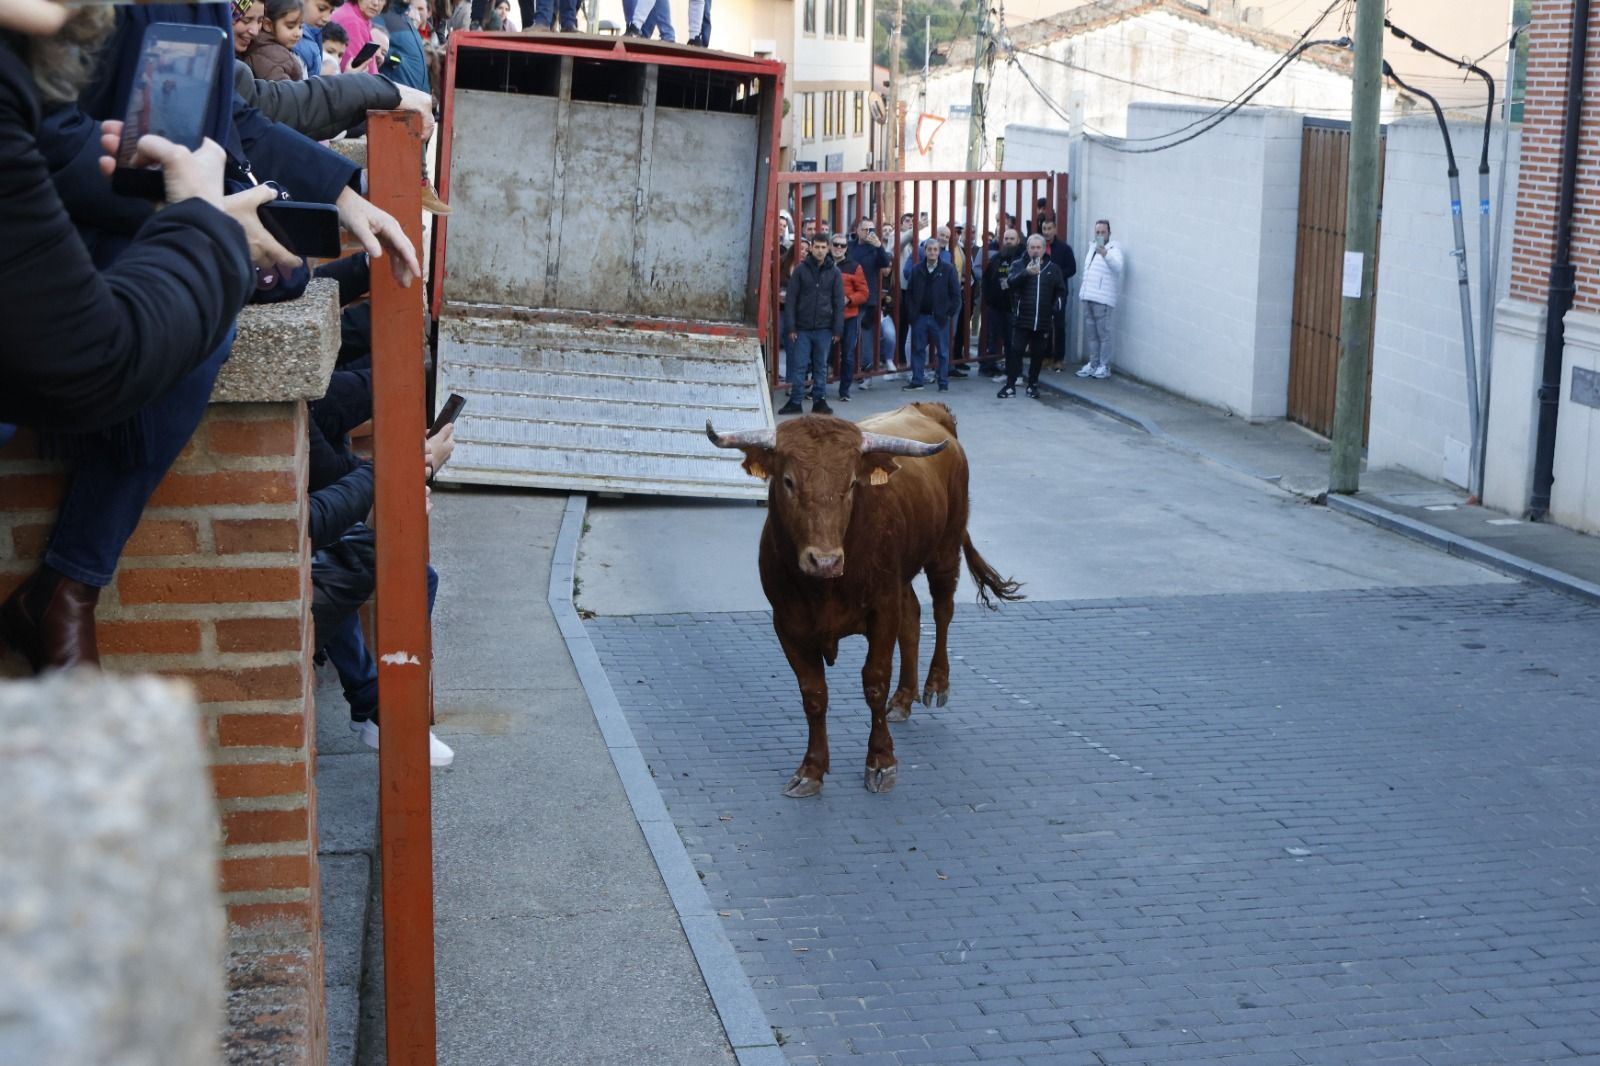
1102,281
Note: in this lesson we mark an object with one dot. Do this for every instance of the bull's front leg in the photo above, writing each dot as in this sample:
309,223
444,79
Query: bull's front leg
910,634
806,662
882,631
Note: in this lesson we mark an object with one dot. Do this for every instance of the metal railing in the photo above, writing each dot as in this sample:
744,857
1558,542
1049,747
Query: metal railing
403,638
979,200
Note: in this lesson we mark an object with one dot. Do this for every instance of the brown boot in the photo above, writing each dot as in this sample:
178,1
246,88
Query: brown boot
49,620
431,202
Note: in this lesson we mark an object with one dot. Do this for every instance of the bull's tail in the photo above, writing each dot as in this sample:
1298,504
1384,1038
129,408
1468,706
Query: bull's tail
988,580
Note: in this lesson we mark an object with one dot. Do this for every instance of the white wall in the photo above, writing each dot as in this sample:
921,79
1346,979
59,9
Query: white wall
1419,386
1208,229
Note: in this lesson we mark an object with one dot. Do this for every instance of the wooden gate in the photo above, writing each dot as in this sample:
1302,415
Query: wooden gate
1318,273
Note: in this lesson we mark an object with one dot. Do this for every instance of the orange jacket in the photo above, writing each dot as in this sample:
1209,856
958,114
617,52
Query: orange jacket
855,287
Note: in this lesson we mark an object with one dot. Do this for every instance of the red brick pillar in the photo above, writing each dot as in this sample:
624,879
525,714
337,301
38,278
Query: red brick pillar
215,587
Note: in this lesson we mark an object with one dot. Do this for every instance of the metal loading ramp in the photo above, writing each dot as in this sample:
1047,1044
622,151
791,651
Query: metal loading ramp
578,404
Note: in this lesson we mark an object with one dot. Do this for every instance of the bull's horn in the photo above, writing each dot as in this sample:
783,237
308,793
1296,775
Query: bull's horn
742,438
885,445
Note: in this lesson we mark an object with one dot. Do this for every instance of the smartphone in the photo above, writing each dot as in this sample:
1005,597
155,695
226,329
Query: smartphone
363,56
174,85
447,414
307,230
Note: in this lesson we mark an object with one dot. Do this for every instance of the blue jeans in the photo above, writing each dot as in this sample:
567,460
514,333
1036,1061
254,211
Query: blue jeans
347,651
660,18
848,355
544,14
809,350
923,329
106,496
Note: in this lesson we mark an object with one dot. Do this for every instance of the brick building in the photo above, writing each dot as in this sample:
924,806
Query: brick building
1571,460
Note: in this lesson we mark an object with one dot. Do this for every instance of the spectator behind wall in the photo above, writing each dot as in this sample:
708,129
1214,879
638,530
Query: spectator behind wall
407,63
355,18
271,53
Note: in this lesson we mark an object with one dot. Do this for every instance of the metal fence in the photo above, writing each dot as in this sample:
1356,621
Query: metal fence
981,203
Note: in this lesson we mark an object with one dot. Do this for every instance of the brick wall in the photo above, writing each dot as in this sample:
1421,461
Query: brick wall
214,587
1545,112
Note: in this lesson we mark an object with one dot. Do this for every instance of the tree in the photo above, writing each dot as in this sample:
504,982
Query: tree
946,20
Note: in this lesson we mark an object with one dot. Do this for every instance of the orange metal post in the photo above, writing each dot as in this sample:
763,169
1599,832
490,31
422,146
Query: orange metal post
405,648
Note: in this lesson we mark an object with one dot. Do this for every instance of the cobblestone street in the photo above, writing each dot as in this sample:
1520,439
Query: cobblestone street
1280,828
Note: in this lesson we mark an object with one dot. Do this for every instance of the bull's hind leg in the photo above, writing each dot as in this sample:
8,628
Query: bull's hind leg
910,634
806,662
942,586
882,629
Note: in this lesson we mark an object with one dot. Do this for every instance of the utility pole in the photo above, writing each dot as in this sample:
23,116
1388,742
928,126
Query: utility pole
894,127
982,71
1360,249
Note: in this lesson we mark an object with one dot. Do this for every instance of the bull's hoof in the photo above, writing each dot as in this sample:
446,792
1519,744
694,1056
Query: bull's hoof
935,696
802,787
900,706
879,781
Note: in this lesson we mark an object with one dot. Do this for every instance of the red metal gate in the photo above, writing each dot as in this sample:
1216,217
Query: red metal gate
979,200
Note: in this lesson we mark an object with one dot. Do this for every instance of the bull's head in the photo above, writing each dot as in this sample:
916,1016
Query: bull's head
815,466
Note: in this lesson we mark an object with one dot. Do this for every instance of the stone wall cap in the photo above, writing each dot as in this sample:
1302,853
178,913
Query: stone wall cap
284,351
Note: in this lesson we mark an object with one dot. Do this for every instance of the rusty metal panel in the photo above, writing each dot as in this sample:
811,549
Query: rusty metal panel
598,195
583,404
502,190
696,248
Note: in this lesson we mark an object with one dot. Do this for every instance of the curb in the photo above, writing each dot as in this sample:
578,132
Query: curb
1094,403
1434,537
1466,548
735,1001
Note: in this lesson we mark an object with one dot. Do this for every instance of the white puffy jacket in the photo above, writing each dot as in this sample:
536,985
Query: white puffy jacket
1102,277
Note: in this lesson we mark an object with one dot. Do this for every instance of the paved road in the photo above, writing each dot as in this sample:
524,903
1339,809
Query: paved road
1309,827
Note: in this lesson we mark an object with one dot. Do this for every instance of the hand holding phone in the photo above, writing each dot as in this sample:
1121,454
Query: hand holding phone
448,413
308,230
169,104
363,56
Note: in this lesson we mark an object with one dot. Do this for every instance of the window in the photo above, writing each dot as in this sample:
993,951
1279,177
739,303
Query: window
838,119
827,29
808,119
861,20
861,119
809,16
827,116
843,18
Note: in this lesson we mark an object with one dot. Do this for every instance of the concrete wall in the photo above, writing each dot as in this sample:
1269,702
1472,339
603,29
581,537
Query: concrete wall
1419,386
1208,229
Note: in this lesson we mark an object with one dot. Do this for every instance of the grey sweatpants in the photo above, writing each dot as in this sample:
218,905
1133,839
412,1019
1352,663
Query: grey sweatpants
1097,333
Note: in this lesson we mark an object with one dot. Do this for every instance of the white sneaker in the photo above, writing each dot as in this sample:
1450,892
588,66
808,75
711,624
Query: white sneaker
1086,370
1102,372
439,753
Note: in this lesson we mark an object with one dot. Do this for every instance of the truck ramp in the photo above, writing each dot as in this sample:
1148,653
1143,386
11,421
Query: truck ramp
579,404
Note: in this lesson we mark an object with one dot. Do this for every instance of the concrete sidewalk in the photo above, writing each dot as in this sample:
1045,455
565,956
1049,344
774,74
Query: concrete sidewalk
1297,460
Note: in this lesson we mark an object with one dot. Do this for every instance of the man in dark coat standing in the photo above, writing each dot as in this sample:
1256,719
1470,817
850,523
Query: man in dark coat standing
932,296
1036,287
996,300
1058,252
813,319
867,249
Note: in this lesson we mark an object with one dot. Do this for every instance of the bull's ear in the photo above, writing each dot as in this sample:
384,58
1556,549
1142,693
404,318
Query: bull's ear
878,467
758,462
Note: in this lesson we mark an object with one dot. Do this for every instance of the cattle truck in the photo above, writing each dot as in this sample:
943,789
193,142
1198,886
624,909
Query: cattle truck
598,287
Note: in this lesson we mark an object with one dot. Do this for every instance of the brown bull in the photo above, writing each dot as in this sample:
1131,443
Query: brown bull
854,512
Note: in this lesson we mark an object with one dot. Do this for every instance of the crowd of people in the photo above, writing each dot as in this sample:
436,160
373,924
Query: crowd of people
122,310
843,307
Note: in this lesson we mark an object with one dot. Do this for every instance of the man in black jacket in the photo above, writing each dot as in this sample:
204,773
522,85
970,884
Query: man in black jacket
867,249
813,319
1058,252
996,300
932,296
1036,286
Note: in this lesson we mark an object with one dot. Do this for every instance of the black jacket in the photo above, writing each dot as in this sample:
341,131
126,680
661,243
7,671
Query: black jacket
872,260
84,349
815,298
940,282
320,108
1035,296
1060,253
997,271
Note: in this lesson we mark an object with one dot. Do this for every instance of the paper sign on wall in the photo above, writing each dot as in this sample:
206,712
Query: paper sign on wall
1352,275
